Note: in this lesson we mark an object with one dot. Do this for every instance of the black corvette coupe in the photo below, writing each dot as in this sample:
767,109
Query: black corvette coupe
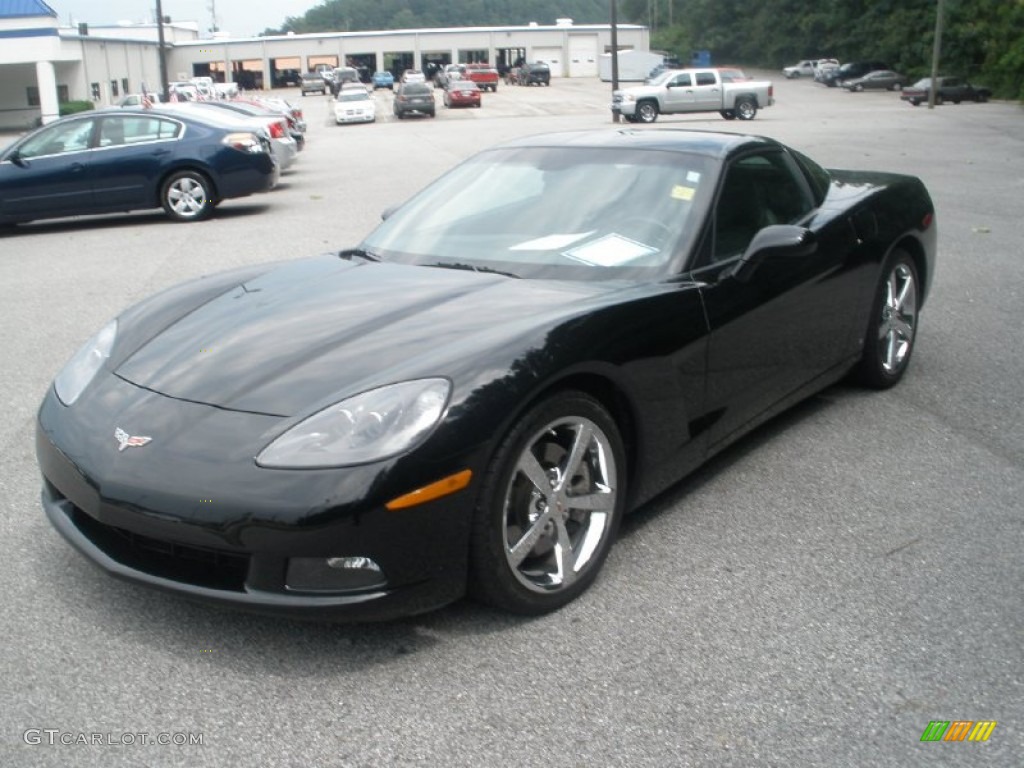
470,400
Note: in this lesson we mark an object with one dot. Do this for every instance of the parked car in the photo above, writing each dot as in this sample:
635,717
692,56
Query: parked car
823,68
413,76
804,68
413,98
283,146
484,75
537,73
880,80
954,89
226,90
354,105
292,113
544,339
694,90
287,77
383,79
183,91
130,159
140,100
313,82
851,70
462,93
450,73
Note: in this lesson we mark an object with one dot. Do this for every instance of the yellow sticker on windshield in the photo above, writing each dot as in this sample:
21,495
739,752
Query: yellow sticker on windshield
679,192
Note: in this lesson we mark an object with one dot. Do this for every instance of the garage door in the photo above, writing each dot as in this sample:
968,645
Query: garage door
552,56
583,56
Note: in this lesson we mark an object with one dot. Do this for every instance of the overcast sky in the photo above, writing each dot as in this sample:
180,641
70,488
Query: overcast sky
241,18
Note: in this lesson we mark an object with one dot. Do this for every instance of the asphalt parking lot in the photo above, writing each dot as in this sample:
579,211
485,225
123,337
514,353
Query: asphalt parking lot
813,597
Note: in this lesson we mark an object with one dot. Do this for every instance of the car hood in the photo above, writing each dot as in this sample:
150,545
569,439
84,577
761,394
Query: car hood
323,328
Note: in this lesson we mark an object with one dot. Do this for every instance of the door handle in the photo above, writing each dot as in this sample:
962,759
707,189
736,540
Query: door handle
158,152
76,167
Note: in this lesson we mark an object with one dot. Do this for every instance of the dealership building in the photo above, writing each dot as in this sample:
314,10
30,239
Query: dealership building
43,64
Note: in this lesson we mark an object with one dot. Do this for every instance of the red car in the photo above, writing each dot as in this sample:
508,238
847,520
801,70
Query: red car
462,93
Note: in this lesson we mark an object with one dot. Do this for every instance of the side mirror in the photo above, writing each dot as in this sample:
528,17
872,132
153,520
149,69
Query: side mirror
386,213
16,158
774,242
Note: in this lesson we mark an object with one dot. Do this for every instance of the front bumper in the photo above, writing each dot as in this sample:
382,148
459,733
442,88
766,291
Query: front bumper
160,520
624,108
355,117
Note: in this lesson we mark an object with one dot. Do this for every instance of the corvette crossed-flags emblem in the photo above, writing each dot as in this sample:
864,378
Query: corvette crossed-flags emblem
124,440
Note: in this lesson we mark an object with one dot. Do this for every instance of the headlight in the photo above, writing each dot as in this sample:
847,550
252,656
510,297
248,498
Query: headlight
374,425
628,97
80,369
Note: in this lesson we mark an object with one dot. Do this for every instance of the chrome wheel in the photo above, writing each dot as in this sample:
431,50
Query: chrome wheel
187,196
549,506
899,317
746,109
647,111
893,325
558,504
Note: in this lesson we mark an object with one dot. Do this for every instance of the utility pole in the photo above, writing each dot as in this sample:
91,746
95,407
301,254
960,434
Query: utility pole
163,53
212,7
615,56
936,51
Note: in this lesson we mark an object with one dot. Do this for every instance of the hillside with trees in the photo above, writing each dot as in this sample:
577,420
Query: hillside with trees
983,39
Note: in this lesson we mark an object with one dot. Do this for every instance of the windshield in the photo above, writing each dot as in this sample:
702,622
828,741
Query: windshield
660,78
566,213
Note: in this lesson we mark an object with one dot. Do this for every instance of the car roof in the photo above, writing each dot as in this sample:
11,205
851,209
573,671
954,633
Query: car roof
717,144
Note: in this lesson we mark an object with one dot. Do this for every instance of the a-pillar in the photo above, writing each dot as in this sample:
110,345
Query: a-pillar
46,79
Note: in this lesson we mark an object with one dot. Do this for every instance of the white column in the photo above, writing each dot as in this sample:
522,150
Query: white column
46,79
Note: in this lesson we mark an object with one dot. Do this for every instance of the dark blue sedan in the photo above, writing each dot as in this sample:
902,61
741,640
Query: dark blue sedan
107,162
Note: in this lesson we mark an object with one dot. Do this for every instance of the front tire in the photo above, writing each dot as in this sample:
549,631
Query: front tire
728,114
187,196
647,111
549,506
893,324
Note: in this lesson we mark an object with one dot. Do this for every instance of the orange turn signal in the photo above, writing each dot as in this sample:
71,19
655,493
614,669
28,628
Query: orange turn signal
437,490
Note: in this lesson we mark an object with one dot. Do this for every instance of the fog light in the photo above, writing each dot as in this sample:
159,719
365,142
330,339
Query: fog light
333,574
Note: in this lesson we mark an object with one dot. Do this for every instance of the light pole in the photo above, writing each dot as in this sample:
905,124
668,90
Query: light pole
936,50
163,54
615,57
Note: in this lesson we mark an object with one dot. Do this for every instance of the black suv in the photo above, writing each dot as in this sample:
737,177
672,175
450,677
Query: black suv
537,73
852,70
343,75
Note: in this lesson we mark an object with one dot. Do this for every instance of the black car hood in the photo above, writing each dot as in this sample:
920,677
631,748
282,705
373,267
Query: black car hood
326,327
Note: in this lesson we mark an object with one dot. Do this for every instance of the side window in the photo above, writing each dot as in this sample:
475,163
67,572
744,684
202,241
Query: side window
62,138
705,78
140,129
680,81
759,190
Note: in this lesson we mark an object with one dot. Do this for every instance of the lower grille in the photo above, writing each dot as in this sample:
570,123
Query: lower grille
199,566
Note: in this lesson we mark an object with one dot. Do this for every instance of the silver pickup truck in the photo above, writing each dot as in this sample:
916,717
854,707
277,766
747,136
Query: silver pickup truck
694,90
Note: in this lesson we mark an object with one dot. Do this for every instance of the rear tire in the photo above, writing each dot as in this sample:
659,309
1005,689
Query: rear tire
892,327
746,108
187,196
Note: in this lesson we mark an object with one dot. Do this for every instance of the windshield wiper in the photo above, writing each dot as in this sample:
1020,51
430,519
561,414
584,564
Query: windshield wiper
472,268
362,253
